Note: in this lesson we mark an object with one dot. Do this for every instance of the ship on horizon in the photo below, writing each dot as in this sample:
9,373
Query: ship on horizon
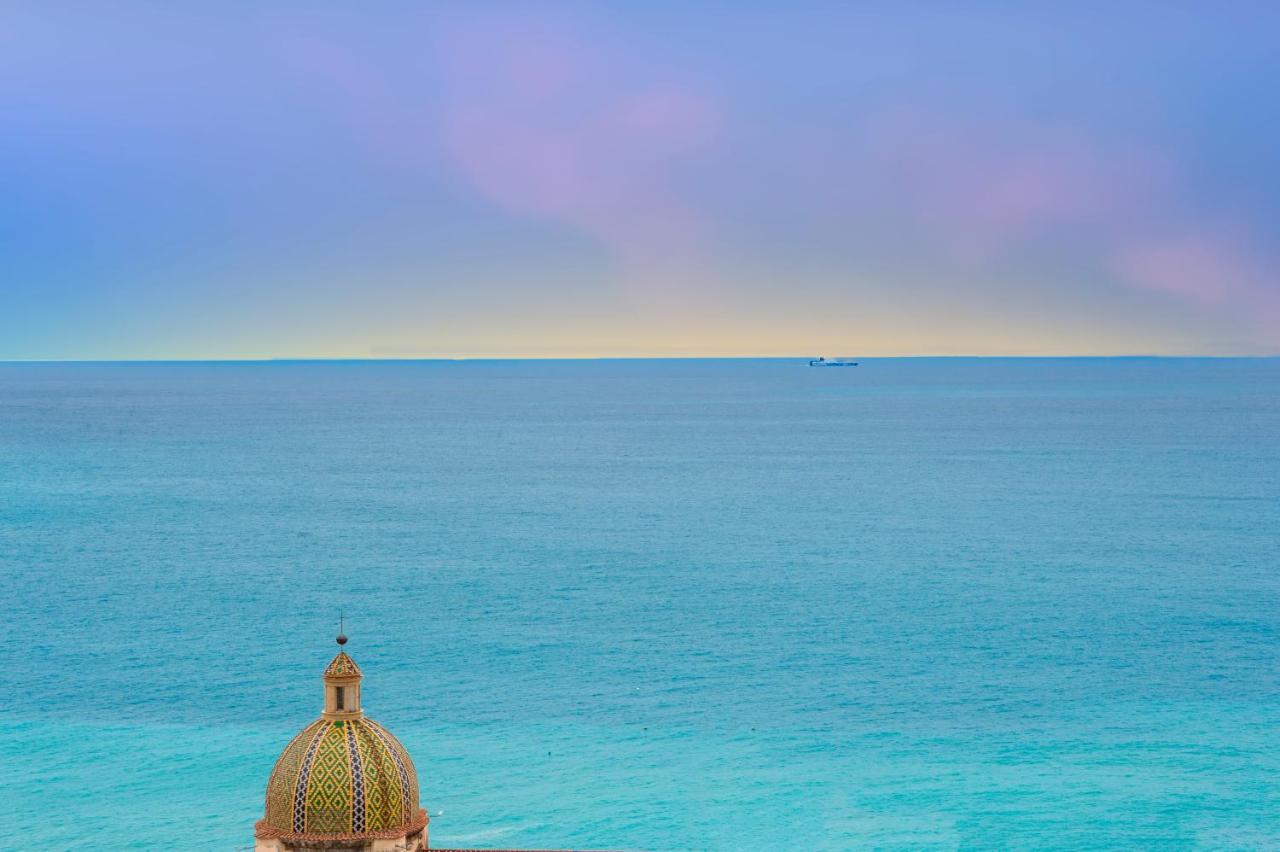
834,362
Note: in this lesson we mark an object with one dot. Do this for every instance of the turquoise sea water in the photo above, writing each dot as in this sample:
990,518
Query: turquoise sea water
652,604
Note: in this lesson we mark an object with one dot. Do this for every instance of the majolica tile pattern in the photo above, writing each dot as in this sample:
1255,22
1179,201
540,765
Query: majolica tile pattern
342,778
342,666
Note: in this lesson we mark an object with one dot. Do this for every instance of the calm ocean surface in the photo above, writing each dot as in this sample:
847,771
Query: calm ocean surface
652,604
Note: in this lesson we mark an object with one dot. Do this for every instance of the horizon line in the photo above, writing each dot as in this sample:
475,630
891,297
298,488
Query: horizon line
438,358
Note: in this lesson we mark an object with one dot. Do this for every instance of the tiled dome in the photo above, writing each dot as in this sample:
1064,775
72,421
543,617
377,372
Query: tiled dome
342,778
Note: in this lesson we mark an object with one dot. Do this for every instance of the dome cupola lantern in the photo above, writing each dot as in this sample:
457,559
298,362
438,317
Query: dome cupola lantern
344,783
342,686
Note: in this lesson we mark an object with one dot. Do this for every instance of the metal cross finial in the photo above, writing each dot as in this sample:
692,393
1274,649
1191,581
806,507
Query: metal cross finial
342,636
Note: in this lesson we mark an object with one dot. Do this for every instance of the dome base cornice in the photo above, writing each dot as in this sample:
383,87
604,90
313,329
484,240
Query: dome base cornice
262,831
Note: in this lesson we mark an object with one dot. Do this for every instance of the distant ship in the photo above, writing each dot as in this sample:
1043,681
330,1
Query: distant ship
834,362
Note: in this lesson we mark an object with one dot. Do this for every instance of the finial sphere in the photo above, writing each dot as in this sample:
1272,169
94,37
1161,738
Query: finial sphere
342,638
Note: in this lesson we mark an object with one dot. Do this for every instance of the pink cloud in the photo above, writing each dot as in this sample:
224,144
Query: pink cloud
984,188
1208,268
611,173
543,117
588,145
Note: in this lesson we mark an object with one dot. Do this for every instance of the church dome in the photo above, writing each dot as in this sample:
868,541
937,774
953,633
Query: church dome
344,777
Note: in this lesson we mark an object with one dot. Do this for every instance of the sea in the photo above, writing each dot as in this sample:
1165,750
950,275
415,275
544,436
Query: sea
651,604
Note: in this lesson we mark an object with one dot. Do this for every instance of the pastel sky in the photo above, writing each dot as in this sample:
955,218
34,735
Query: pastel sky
310,179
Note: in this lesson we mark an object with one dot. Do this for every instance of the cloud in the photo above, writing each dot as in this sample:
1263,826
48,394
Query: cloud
1205,267
986,190
566,133
612,172
542,117
987,186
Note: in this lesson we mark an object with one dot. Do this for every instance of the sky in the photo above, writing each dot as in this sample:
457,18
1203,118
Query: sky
476,179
